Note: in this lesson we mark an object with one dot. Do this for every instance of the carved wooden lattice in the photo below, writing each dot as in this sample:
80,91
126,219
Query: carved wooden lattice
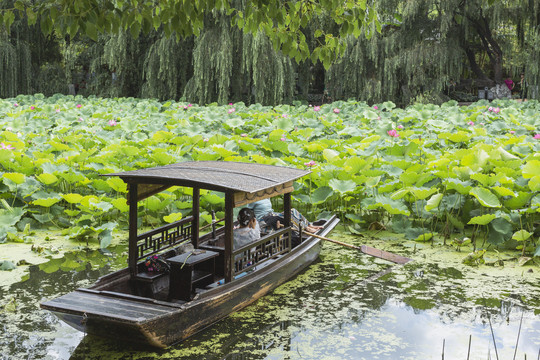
262,250
162,238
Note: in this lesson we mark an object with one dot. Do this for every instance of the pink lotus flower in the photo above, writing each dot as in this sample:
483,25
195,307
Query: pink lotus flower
496,110
470,123
230,103
112,122
400,126
393,133
490,108
375,107
231,110
205,139
284,116
185,107
57,110
537,136
16,105
79,106
32,107
244,135
378,118
336,110
283,138
482,124
310,163
512,132
316,108
189,105
6,146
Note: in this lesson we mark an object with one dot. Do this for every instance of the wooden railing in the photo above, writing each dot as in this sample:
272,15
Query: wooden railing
164,237
257,252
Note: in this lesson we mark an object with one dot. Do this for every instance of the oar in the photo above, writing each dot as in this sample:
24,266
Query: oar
395,258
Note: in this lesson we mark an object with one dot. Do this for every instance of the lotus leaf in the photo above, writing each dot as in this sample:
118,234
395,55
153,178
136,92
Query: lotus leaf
485,197
482,220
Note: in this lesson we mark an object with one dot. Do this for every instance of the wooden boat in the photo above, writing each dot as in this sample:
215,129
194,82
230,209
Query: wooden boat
208,279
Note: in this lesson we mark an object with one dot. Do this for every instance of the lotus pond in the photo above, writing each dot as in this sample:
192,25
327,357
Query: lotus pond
455,187
345,306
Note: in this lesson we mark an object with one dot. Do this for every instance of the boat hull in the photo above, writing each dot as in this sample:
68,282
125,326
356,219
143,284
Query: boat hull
161,324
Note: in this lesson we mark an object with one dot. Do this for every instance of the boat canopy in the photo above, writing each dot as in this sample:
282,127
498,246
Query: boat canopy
242,183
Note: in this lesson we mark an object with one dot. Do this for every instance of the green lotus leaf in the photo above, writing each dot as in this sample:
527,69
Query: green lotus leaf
283,124
503,191
500,231
72,177
421,194
455,221
46,202
172,217
462,187
483,179
392,206
531,169
213,199
120,204
518,201
47,178
342,186
321,194
330,155
485,197
72,212
17,178
220,149
482,220
434,202
162,136
534,183
505,155
277,134
521,235
460,136
425,237
400,193
409,178
117,184
72,198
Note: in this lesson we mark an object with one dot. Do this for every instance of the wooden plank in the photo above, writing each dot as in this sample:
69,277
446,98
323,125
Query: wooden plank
243,198
108,306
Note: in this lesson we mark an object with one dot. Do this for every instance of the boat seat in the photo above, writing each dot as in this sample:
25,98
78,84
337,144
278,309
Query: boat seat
148,284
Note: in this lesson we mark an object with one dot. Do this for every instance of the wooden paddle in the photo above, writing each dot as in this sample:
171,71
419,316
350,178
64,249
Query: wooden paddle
395,258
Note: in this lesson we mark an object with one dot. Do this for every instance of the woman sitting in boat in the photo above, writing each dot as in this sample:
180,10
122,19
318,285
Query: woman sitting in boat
248,230
271,221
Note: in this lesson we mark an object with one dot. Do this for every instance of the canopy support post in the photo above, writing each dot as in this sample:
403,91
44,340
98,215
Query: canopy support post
287,209
229,222
195,222
132,254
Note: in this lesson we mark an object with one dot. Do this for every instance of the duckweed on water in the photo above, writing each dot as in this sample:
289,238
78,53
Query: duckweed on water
328,312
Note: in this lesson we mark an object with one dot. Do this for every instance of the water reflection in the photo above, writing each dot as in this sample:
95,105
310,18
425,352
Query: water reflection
345,306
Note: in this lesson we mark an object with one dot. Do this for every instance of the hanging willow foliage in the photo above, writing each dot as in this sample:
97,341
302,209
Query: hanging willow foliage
221,75
166,68
213,55
8,69
412,61
271,74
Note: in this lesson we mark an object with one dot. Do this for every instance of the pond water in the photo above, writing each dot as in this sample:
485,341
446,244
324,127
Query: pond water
345,306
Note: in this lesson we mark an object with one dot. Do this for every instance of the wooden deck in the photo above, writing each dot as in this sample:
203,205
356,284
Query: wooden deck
109,305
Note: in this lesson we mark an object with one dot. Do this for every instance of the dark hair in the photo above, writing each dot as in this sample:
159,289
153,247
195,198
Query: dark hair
245,216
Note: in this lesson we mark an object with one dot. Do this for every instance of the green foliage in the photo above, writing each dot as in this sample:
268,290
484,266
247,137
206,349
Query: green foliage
421,183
